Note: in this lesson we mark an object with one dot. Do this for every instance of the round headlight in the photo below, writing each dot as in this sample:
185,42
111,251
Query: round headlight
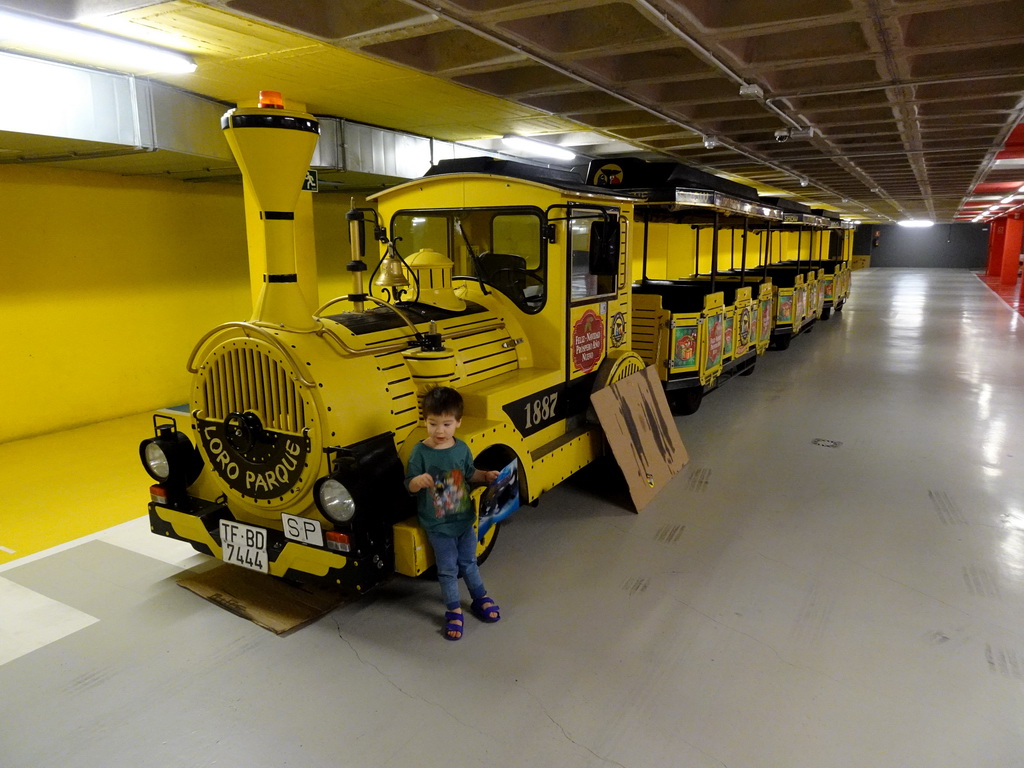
335,500
170,457
156,462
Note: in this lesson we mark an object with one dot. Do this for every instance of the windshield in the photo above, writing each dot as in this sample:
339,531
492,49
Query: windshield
500,247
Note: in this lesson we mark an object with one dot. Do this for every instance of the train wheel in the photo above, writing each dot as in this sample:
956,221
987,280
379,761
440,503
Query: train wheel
826,313
782,342
486,546
613,369
686,401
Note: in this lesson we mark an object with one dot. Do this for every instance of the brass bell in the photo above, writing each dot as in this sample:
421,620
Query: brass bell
392,274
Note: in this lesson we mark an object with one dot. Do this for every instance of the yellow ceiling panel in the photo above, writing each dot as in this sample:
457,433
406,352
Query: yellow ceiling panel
199,29
236,57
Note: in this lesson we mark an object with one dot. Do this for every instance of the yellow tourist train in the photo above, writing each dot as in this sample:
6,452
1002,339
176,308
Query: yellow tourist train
525,288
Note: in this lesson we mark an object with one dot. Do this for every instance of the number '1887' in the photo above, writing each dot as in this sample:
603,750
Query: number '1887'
540,410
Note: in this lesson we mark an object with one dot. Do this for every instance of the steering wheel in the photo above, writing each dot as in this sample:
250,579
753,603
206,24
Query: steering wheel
518,278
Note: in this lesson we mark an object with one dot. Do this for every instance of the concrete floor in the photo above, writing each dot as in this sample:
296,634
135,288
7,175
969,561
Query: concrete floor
836,579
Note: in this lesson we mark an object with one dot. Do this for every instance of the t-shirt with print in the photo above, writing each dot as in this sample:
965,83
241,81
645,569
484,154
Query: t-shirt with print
445,509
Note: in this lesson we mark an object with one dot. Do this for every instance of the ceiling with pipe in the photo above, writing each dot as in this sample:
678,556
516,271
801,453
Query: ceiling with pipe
879,109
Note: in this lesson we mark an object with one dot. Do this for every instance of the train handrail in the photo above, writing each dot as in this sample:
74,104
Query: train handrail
326,332
329,333
245,327
323,331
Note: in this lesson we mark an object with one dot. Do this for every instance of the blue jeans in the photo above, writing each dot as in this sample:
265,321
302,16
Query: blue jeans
456,557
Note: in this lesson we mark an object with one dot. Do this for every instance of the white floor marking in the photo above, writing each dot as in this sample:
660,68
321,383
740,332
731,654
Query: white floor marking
136,536
129,536
32,621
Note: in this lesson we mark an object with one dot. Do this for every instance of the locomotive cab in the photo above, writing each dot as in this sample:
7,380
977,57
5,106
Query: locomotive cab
546,258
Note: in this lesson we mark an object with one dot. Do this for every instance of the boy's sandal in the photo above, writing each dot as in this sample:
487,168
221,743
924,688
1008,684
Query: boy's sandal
482,607
450,626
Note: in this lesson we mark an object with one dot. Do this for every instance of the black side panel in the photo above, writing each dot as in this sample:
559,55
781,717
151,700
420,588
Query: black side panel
555,176
375,476
630,173
792,206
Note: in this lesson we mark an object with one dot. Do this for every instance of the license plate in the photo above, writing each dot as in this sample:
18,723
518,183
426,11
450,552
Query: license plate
244,545
303,530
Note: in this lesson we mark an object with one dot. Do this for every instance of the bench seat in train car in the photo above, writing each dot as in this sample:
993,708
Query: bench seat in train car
835,284
762,297
825,285
837,289
741,307
679,328
813,281
789,304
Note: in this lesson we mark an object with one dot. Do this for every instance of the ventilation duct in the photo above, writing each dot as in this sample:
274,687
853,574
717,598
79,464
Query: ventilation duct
105,121
89,117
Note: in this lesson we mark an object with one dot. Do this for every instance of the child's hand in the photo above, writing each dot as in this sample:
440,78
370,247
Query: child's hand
420,482
490,476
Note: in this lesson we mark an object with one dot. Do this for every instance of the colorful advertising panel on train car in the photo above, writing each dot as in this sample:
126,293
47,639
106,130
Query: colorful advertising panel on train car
684,348
727,344
716,340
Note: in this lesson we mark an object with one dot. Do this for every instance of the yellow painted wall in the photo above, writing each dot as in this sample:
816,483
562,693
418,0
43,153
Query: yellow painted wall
798,244
757,247
106,283
703,240
671,249
670,252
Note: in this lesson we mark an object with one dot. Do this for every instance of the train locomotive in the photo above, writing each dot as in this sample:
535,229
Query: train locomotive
288,458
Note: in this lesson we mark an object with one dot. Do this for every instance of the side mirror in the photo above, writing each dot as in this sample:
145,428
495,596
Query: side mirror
604,247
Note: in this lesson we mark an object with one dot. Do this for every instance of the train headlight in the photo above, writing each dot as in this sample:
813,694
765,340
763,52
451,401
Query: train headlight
170,457
334,500
363,490
155,460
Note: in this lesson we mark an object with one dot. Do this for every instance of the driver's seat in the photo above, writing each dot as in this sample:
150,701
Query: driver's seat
505,272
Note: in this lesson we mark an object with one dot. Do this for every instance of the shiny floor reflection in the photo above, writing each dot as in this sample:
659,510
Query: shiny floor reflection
836,579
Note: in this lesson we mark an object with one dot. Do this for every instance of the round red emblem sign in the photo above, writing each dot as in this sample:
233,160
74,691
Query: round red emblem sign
587,341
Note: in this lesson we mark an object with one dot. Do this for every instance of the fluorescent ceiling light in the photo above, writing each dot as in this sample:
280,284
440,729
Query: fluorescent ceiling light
71,43
916,223
538,148
1008,199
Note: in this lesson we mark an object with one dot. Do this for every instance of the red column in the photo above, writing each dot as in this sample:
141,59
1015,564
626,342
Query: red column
1014,228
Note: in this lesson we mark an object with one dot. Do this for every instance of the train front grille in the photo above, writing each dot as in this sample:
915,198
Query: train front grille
238,378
